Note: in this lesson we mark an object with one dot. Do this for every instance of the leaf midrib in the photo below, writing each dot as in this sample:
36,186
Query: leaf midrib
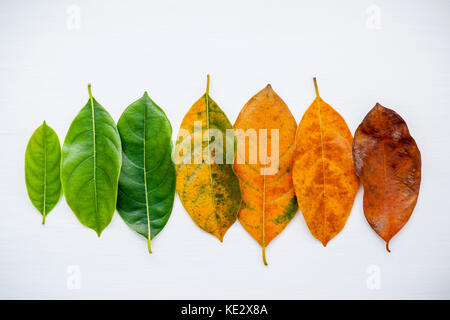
95,162
323,165
384,188
144,168
209,155
264,195
45,174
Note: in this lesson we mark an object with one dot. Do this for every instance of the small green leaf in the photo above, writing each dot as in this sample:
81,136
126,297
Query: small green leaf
91,161
42,168
147,179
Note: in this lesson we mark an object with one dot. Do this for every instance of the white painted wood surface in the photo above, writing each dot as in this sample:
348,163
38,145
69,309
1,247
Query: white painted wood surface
363,52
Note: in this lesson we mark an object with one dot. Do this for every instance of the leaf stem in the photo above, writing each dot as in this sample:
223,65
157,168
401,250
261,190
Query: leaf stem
387,247
207,84
316,87
264,255
90,91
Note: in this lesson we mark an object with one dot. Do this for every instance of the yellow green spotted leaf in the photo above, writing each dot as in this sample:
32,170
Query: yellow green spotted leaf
206,183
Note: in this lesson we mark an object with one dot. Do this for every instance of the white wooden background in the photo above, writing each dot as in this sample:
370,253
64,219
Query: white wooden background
363,52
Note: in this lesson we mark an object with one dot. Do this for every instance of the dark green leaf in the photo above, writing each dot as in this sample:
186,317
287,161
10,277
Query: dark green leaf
147,179
91,161
42,168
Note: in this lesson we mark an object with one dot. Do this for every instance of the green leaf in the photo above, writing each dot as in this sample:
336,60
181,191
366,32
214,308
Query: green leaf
91,161
42,168
147,179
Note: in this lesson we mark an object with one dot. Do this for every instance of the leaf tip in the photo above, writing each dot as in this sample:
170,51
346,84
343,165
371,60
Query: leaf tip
378,106
220,236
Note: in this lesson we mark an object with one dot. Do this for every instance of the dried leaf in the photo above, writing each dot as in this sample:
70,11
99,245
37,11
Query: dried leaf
388,163
268,200
208,190
323,173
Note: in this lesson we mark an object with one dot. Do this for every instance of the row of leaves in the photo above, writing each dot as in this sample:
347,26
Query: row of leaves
129,167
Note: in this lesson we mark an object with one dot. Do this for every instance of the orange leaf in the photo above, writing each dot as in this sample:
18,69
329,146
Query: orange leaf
388,163
268,198
323,173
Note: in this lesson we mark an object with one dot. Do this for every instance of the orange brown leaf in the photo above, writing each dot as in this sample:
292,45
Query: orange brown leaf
388,163
268,200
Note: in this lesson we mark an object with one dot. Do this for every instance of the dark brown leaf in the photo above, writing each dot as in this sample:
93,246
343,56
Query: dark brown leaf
388,163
